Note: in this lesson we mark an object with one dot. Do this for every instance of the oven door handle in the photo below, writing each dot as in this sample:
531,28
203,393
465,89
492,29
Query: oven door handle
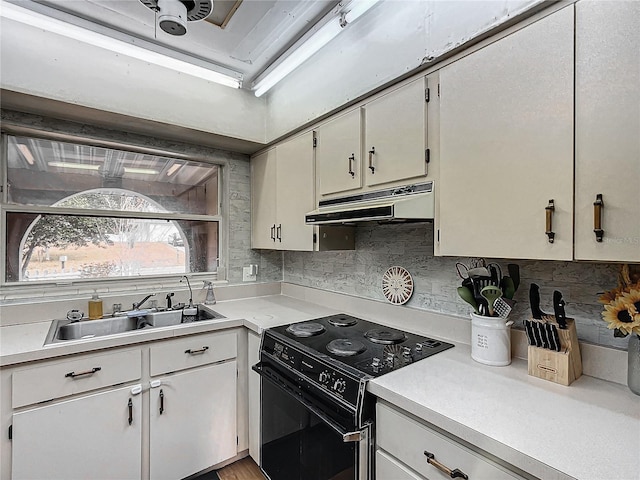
346,435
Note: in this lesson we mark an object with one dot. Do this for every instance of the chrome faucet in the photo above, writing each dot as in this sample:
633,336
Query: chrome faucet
136,306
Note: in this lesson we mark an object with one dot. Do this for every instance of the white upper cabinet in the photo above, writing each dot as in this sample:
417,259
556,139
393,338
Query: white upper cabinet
282,192
263,199
608,131
338,153
395,135
506,145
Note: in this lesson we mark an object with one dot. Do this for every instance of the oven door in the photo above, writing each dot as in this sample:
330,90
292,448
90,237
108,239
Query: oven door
303,437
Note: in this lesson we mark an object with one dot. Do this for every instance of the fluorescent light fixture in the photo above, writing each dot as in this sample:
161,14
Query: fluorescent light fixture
140,171
75,32
77,166
28,156
173,169
312,44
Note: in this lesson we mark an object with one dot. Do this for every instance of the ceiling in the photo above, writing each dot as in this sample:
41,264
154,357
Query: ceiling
255,34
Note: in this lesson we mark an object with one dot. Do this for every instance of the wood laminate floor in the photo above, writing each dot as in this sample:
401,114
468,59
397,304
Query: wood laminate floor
245,469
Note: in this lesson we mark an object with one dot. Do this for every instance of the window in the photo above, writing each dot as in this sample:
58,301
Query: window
76,212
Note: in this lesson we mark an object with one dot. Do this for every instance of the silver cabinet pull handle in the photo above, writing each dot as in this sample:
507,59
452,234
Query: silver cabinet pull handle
352,159
598,205
196,352
161,402
549,217
80,374
279,233
455,473
273,232
372,152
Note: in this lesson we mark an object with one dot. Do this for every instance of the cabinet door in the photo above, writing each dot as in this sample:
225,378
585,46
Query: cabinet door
338,154
263,200
608,129
506,145
295,193
84,438
193,421
395,135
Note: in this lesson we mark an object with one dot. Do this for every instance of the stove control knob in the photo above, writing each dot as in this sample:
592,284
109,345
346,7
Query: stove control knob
376,362
406,351
418,347
340,385
324,377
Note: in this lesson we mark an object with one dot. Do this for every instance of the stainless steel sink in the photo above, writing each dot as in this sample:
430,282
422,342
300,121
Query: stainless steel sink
65,330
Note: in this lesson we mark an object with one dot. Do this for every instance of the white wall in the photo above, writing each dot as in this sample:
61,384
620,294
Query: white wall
47,65
393,38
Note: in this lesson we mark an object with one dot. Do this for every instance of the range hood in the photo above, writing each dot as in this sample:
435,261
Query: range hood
400,204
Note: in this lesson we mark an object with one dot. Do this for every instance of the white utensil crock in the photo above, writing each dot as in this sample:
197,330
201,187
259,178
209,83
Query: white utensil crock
490,340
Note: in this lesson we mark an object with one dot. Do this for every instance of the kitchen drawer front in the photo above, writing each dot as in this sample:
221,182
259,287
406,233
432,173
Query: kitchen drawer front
407,440
387,468
192,351
69,377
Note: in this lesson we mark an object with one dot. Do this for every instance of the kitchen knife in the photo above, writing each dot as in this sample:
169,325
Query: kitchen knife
558,308
543,335
552,341
556,337
528,330
536,332
534,300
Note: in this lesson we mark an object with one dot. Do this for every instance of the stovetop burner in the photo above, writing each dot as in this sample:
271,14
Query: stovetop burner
342,320
343,347
385,336
307,329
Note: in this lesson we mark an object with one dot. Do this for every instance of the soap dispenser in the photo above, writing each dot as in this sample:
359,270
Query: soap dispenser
210,298
95,307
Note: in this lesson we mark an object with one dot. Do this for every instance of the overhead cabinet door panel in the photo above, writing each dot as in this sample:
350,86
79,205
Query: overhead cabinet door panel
608,130
507,145
395,135
338,154
263,200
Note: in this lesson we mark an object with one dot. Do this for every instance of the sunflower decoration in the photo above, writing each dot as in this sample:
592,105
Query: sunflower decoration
622,305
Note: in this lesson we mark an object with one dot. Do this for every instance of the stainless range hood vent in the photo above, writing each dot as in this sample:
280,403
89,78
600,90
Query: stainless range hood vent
400,204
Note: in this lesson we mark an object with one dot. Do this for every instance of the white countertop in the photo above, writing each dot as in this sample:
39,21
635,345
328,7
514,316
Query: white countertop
25,342
589,430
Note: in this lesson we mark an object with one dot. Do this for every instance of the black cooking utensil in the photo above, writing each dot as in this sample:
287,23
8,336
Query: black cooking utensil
534,300
543,334
514,273
507,287
558,308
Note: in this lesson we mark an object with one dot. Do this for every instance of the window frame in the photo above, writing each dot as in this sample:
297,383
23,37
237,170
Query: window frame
112,284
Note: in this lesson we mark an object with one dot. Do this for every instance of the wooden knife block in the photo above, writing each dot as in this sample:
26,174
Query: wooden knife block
561,367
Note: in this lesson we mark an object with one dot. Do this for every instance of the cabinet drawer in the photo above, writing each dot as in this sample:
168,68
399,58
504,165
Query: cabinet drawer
192,351
387,468
407,440
77,375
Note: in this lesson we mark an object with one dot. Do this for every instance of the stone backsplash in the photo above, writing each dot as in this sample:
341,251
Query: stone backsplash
378,247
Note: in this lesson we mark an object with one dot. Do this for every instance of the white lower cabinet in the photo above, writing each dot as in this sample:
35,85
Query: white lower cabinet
92,437
254,397
192,421
408,449
166,409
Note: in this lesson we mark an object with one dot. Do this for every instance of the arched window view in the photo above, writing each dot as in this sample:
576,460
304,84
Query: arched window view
58,247
90,212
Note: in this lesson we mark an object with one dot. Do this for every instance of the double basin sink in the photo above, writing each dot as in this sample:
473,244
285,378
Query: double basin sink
64,330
